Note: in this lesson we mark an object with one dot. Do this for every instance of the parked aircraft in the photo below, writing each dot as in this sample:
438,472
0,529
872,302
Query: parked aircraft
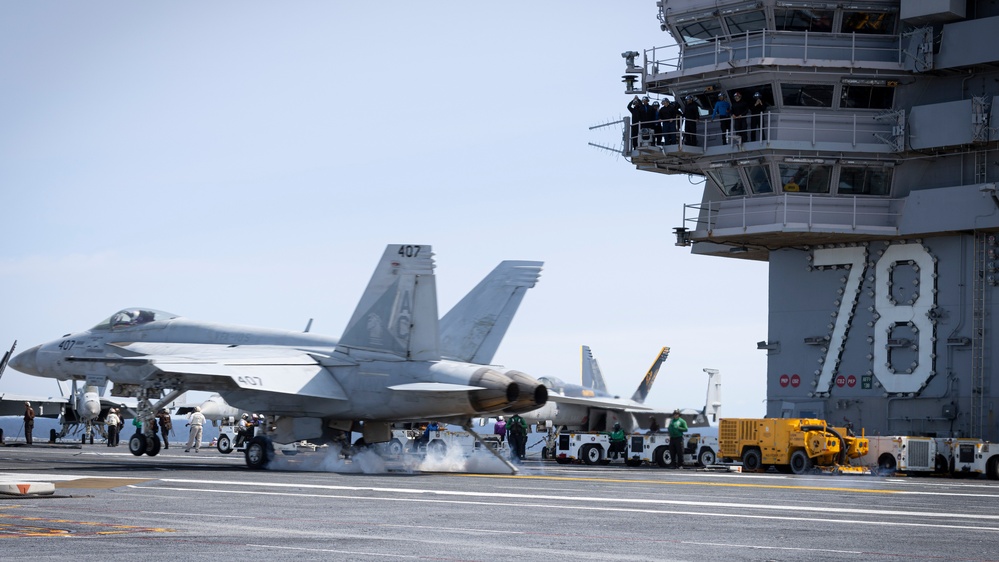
590,407
388,366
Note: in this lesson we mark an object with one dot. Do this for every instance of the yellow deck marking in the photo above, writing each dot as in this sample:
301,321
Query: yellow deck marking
684,483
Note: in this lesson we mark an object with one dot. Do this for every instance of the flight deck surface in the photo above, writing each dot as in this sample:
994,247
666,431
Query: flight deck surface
198,505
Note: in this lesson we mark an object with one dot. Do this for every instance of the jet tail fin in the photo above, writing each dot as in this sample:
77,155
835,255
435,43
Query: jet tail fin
6,357
642,392
592,377
473,329
712,402
397,313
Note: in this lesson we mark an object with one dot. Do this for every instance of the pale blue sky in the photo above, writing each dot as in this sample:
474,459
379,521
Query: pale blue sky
247,162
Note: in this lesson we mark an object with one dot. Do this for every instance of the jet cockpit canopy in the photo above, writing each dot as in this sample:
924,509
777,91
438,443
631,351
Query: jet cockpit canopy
128,317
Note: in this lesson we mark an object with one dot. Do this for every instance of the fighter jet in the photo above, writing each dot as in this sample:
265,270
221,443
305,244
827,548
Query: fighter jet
590,407
388,366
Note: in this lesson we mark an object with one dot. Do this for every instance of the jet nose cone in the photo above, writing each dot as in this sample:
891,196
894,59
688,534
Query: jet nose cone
26,361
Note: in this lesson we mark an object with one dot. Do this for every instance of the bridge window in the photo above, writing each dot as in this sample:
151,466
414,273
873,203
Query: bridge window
808,178
803,20
746,21
728,180
864,180
759,178
807,95
866,97
700,31
871,23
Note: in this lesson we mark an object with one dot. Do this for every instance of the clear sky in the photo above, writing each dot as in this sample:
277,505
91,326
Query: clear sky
247,162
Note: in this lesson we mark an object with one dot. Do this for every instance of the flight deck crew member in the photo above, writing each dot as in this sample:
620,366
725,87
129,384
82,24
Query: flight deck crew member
242,430
499,428
29,422
653,425
197,420
166,424
112,421
516,432
618,441
676,428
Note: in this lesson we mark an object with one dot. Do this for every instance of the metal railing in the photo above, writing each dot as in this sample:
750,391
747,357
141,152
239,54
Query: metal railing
813,128
819,212
800,46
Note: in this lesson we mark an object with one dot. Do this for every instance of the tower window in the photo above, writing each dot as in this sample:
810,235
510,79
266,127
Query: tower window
864,180
808,178
866,97
807,95
804,20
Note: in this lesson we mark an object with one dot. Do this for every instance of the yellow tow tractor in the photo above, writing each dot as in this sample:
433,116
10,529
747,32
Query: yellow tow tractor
797,445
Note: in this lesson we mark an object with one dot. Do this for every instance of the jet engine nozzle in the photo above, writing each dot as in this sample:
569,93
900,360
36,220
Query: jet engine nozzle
499,391
532,395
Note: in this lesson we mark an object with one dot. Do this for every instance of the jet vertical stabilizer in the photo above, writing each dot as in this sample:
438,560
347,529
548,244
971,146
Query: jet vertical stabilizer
473,329
398,312
592,377
642,392
712,402
6,357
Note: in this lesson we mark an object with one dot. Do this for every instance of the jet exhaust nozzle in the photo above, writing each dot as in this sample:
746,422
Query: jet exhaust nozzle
499,391
533,394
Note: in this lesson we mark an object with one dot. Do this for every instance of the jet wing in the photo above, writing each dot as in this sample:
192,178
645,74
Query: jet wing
45,406
215,367
603,403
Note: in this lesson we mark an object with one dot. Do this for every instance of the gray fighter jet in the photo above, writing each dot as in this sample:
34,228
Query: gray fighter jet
389,365
590,407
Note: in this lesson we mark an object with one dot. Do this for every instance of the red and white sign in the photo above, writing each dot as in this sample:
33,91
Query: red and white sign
795,381
840,381
851,381
785,380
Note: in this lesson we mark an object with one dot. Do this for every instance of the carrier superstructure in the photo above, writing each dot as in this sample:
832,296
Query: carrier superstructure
869,184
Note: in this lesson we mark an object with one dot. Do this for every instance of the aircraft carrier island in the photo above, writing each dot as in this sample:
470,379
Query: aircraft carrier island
853,146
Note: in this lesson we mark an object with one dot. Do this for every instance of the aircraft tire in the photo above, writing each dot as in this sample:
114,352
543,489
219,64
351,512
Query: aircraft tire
663,457
707,457
591,454
259,452
153,446
137,445
224,444
800,463
752,460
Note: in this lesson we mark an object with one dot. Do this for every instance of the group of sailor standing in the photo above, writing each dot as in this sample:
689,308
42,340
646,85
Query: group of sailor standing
741,120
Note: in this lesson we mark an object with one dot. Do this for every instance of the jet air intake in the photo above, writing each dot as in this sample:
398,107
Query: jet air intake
532,393
499,391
